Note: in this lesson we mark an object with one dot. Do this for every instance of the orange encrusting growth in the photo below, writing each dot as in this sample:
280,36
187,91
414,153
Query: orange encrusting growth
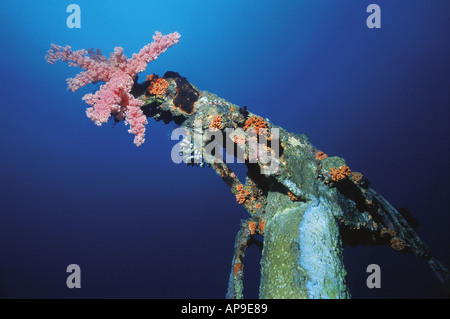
249,196
157,85
237,267
240,196
321,155
256,123
216,122
339,174
239,139
292,196
262,226
252,227
387,232
356,177
397,244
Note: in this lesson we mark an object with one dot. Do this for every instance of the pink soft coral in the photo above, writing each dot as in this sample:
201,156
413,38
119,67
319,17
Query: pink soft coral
118,72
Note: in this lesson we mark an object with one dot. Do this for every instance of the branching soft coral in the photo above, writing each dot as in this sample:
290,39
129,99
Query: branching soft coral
118,72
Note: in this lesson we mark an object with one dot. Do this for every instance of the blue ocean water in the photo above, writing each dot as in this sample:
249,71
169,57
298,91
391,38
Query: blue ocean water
141,226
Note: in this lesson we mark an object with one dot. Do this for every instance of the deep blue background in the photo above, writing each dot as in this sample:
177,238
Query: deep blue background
142,227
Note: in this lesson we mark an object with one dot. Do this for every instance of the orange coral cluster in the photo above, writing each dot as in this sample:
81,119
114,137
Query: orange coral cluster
356,177
157,85
239,139
256,123
262,226
252,227
397,244
292,196
240,196
339,174
250,196
321,155
237,267
216,122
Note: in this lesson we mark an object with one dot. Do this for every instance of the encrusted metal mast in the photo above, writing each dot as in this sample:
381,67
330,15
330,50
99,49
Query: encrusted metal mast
301,209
